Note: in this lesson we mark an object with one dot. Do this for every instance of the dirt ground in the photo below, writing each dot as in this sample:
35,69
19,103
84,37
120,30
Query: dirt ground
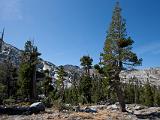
52,114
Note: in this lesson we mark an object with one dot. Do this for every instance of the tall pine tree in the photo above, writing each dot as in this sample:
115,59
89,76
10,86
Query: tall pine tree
117,54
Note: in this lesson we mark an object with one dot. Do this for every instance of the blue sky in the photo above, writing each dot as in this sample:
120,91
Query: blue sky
65,30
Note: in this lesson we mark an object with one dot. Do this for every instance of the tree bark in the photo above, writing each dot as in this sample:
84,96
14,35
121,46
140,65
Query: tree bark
120,94
33,92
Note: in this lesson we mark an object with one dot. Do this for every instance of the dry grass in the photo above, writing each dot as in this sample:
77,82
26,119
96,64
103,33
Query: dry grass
101,115
53,114
82,115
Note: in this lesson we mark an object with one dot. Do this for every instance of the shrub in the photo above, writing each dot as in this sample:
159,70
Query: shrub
9,101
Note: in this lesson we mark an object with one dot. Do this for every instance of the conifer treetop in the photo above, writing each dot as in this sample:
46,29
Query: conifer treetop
118,46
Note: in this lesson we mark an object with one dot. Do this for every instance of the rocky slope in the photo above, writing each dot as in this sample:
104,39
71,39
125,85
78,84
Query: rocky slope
151,75
9,51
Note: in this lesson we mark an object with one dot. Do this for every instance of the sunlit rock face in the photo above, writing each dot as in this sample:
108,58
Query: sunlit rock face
9,51
151,75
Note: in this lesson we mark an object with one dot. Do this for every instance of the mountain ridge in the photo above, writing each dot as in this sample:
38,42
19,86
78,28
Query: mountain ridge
151,75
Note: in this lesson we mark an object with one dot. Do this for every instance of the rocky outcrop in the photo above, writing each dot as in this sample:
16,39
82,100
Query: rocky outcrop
148,113
151,75
15,110
37,107
86,109
34,108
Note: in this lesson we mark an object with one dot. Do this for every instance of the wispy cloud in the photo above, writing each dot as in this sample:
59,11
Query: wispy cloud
150,48
11,9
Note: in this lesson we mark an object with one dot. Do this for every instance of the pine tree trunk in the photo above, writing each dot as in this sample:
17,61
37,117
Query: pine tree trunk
62,92
8,87
33,92
120,95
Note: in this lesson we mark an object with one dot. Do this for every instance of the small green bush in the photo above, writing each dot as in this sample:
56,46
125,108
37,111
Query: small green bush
9,101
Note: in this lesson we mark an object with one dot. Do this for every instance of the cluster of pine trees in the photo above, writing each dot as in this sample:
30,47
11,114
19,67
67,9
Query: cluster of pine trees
7,80
89,87
19,82
141,94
